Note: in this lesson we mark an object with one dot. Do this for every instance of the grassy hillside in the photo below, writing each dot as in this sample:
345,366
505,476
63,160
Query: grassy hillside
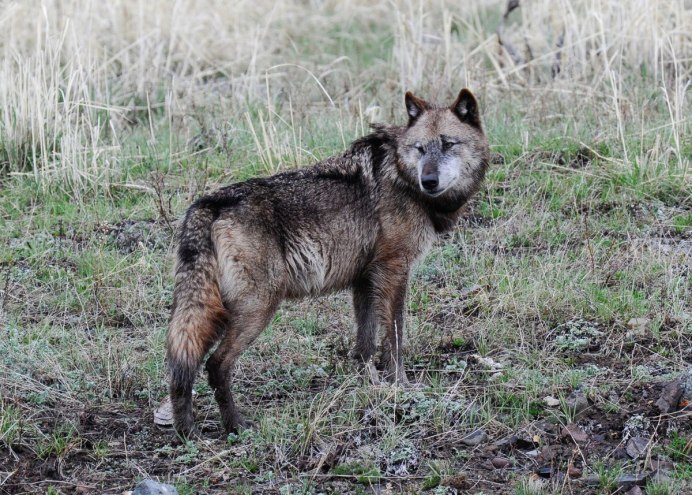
568,278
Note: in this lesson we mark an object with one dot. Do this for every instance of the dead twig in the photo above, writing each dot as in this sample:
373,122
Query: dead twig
164,210
502,40
555,68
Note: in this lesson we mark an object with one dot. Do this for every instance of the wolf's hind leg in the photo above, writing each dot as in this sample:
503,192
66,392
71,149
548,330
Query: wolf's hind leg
246,325
195,324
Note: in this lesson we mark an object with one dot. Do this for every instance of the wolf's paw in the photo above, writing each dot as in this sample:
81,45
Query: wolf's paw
372,373
237,423
245,423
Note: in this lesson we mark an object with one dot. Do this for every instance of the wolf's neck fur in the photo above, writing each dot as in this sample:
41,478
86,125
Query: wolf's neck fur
443,212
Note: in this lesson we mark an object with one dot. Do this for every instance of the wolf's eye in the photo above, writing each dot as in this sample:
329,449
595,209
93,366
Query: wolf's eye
448,145
420,149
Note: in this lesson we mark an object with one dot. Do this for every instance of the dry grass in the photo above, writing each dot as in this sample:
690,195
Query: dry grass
76,78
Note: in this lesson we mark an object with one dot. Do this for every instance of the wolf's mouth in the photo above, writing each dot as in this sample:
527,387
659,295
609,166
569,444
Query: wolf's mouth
435,193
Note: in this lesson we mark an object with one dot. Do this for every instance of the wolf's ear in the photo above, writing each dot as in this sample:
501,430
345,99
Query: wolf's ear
415,107
466,108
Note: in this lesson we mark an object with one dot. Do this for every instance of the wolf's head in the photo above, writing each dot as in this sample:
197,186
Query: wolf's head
443,151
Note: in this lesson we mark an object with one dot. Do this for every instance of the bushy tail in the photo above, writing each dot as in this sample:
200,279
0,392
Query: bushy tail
198,314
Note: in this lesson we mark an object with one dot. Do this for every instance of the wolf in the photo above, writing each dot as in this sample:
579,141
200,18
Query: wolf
359,220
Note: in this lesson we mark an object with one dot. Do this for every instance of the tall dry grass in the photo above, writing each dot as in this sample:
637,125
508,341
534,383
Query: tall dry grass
79,78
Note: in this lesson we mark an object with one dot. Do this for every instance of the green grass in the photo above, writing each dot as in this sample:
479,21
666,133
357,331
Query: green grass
558,276
664,488
680,448
10,424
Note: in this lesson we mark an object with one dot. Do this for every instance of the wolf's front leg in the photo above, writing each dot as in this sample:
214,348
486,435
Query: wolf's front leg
392,312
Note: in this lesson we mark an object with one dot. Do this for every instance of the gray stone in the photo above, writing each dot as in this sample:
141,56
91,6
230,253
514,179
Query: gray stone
151,487
577,403
670,397
637,447
686,380
475,438
627,481
574,433
545,471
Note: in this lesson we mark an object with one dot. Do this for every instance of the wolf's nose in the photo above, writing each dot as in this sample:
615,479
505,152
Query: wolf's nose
429,182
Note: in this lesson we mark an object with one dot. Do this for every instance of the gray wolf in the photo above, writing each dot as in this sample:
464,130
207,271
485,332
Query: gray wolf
359,220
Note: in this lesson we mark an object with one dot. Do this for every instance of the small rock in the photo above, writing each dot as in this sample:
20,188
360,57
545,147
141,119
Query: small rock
660,465
577,402
637,447
591,481
598,437
545,471
574,472
521,443
627,481
475,438
532,453
620,454
502,443
572,431
551,401
635,490
151,487
670,397
686,378
500,462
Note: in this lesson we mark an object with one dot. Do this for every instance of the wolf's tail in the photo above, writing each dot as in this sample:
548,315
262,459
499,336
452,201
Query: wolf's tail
198,315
